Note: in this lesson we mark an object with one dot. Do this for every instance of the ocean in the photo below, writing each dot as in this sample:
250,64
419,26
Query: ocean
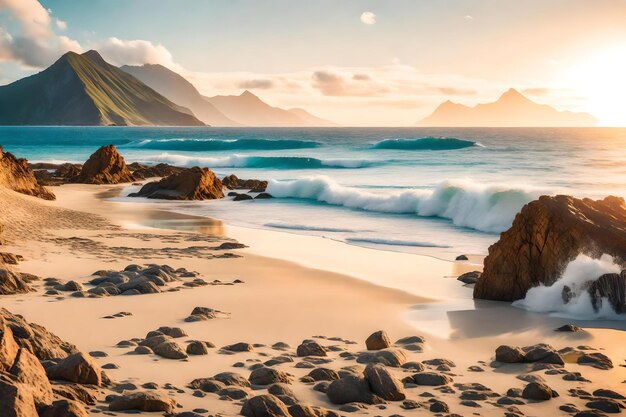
435,191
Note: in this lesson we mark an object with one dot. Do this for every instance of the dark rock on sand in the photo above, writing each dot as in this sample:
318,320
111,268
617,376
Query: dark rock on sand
190,184
545,236
439,407
596,359
461,258
239,347
197,347
105,166
538,391
389,357
142,401
430,379
469,277
232,378
310,348
77,367
268,376
323,374
607,393
569,328
159,170
264,406
13,283
169,349
242,197
607,405
351,389
232,182
377,341
383,383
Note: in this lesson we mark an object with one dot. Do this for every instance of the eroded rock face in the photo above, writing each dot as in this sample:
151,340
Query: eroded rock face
545,236
12,283
77,367
158,170
190,184
16,175
105,166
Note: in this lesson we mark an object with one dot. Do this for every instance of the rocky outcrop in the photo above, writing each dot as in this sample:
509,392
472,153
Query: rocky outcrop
545,236
15,174
105,166
190,184
232,182
158,170
610,287
14,282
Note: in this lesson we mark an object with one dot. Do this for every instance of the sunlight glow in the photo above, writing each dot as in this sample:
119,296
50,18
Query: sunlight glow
601,79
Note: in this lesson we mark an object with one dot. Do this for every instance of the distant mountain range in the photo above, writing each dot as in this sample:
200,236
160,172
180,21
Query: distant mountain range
512,109
245,109
87,91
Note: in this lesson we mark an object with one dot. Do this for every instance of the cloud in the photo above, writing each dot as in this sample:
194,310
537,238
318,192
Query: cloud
468,18
34,43
368,18
361,77
536,91
263,84
61,25
332,83
135,52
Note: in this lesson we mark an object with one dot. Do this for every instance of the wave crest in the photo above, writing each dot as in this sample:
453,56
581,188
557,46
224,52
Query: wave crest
246,161
425,144
468,204
223,144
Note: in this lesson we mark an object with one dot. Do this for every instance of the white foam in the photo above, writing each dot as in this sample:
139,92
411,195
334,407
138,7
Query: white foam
580,271
488,208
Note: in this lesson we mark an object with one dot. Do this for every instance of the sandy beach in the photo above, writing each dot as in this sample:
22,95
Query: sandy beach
294,288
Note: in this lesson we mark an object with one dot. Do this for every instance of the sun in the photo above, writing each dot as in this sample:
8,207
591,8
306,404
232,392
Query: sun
601,79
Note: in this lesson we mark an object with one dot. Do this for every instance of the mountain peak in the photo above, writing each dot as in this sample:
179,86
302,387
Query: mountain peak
247,93
512,94
94,56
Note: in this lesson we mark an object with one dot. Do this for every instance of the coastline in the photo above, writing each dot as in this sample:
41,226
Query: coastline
268,307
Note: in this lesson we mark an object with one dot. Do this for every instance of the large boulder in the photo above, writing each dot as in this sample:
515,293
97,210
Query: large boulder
190,184
383,383
351,389
105,166
8,346
264,406
16,400
377,341
142,401
12,283
28,371
545,236
16,175
610,287
79,368
158,170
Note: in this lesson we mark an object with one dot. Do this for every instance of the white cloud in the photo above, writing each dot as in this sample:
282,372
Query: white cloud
135,52
61,25
468,17
368,18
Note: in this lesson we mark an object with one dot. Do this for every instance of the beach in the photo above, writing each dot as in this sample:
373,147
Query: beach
294,288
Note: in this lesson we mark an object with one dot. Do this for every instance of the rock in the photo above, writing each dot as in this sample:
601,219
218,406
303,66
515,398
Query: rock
430,379
197,347
242,197
609,287
310,348
10,258
230,246
170,350
263,196
67,170
545,236
383,383
16,400
589,413
509,354
28,371
174,332
377,341
79,368
542,353
105,166
469,277
64,408
268,376
351,389
207,384
232,182
16,175
569,328
142,401
190,184
8,346
389,357
607,405
239,347
537,391
323,374
439,407
264,406
232,378
303,410
75,392
159,170
461,258
597,360
13,283
607,393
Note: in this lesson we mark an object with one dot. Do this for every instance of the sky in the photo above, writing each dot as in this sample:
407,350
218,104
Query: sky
356,62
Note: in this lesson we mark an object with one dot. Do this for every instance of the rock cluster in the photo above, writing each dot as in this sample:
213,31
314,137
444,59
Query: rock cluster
105,166
233,183
539,353
545,236
27,388
12,282
189,184
16,175
159,170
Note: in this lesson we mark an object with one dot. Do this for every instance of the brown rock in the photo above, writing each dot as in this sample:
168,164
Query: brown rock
64,408
310,348
28,371
78,367
8,346
67,171
377,341
383,383
12,283
105,166
16,400
351,389
142,401
16,175
75,392
190,184
611,287
264,406
545,236
159,170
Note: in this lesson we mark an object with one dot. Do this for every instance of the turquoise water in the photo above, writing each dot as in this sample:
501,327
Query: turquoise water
439,191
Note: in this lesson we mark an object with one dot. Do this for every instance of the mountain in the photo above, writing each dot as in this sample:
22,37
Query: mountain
84,90
512,109
250,110
179,90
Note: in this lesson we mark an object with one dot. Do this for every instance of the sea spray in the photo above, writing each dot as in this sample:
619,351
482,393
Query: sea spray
250,161
487,208
576,276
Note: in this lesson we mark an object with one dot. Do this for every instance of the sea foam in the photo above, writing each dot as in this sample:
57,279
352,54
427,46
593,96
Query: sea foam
185,144
488,208
583,269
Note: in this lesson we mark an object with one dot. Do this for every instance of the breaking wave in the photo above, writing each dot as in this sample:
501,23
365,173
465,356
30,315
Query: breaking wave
578,273
222,144
487,208
308,228
275,162
393,242
425,144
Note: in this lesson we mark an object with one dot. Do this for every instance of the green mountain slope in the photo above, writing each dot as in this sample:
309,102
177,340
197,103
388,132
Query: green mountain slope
84,90
179,90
